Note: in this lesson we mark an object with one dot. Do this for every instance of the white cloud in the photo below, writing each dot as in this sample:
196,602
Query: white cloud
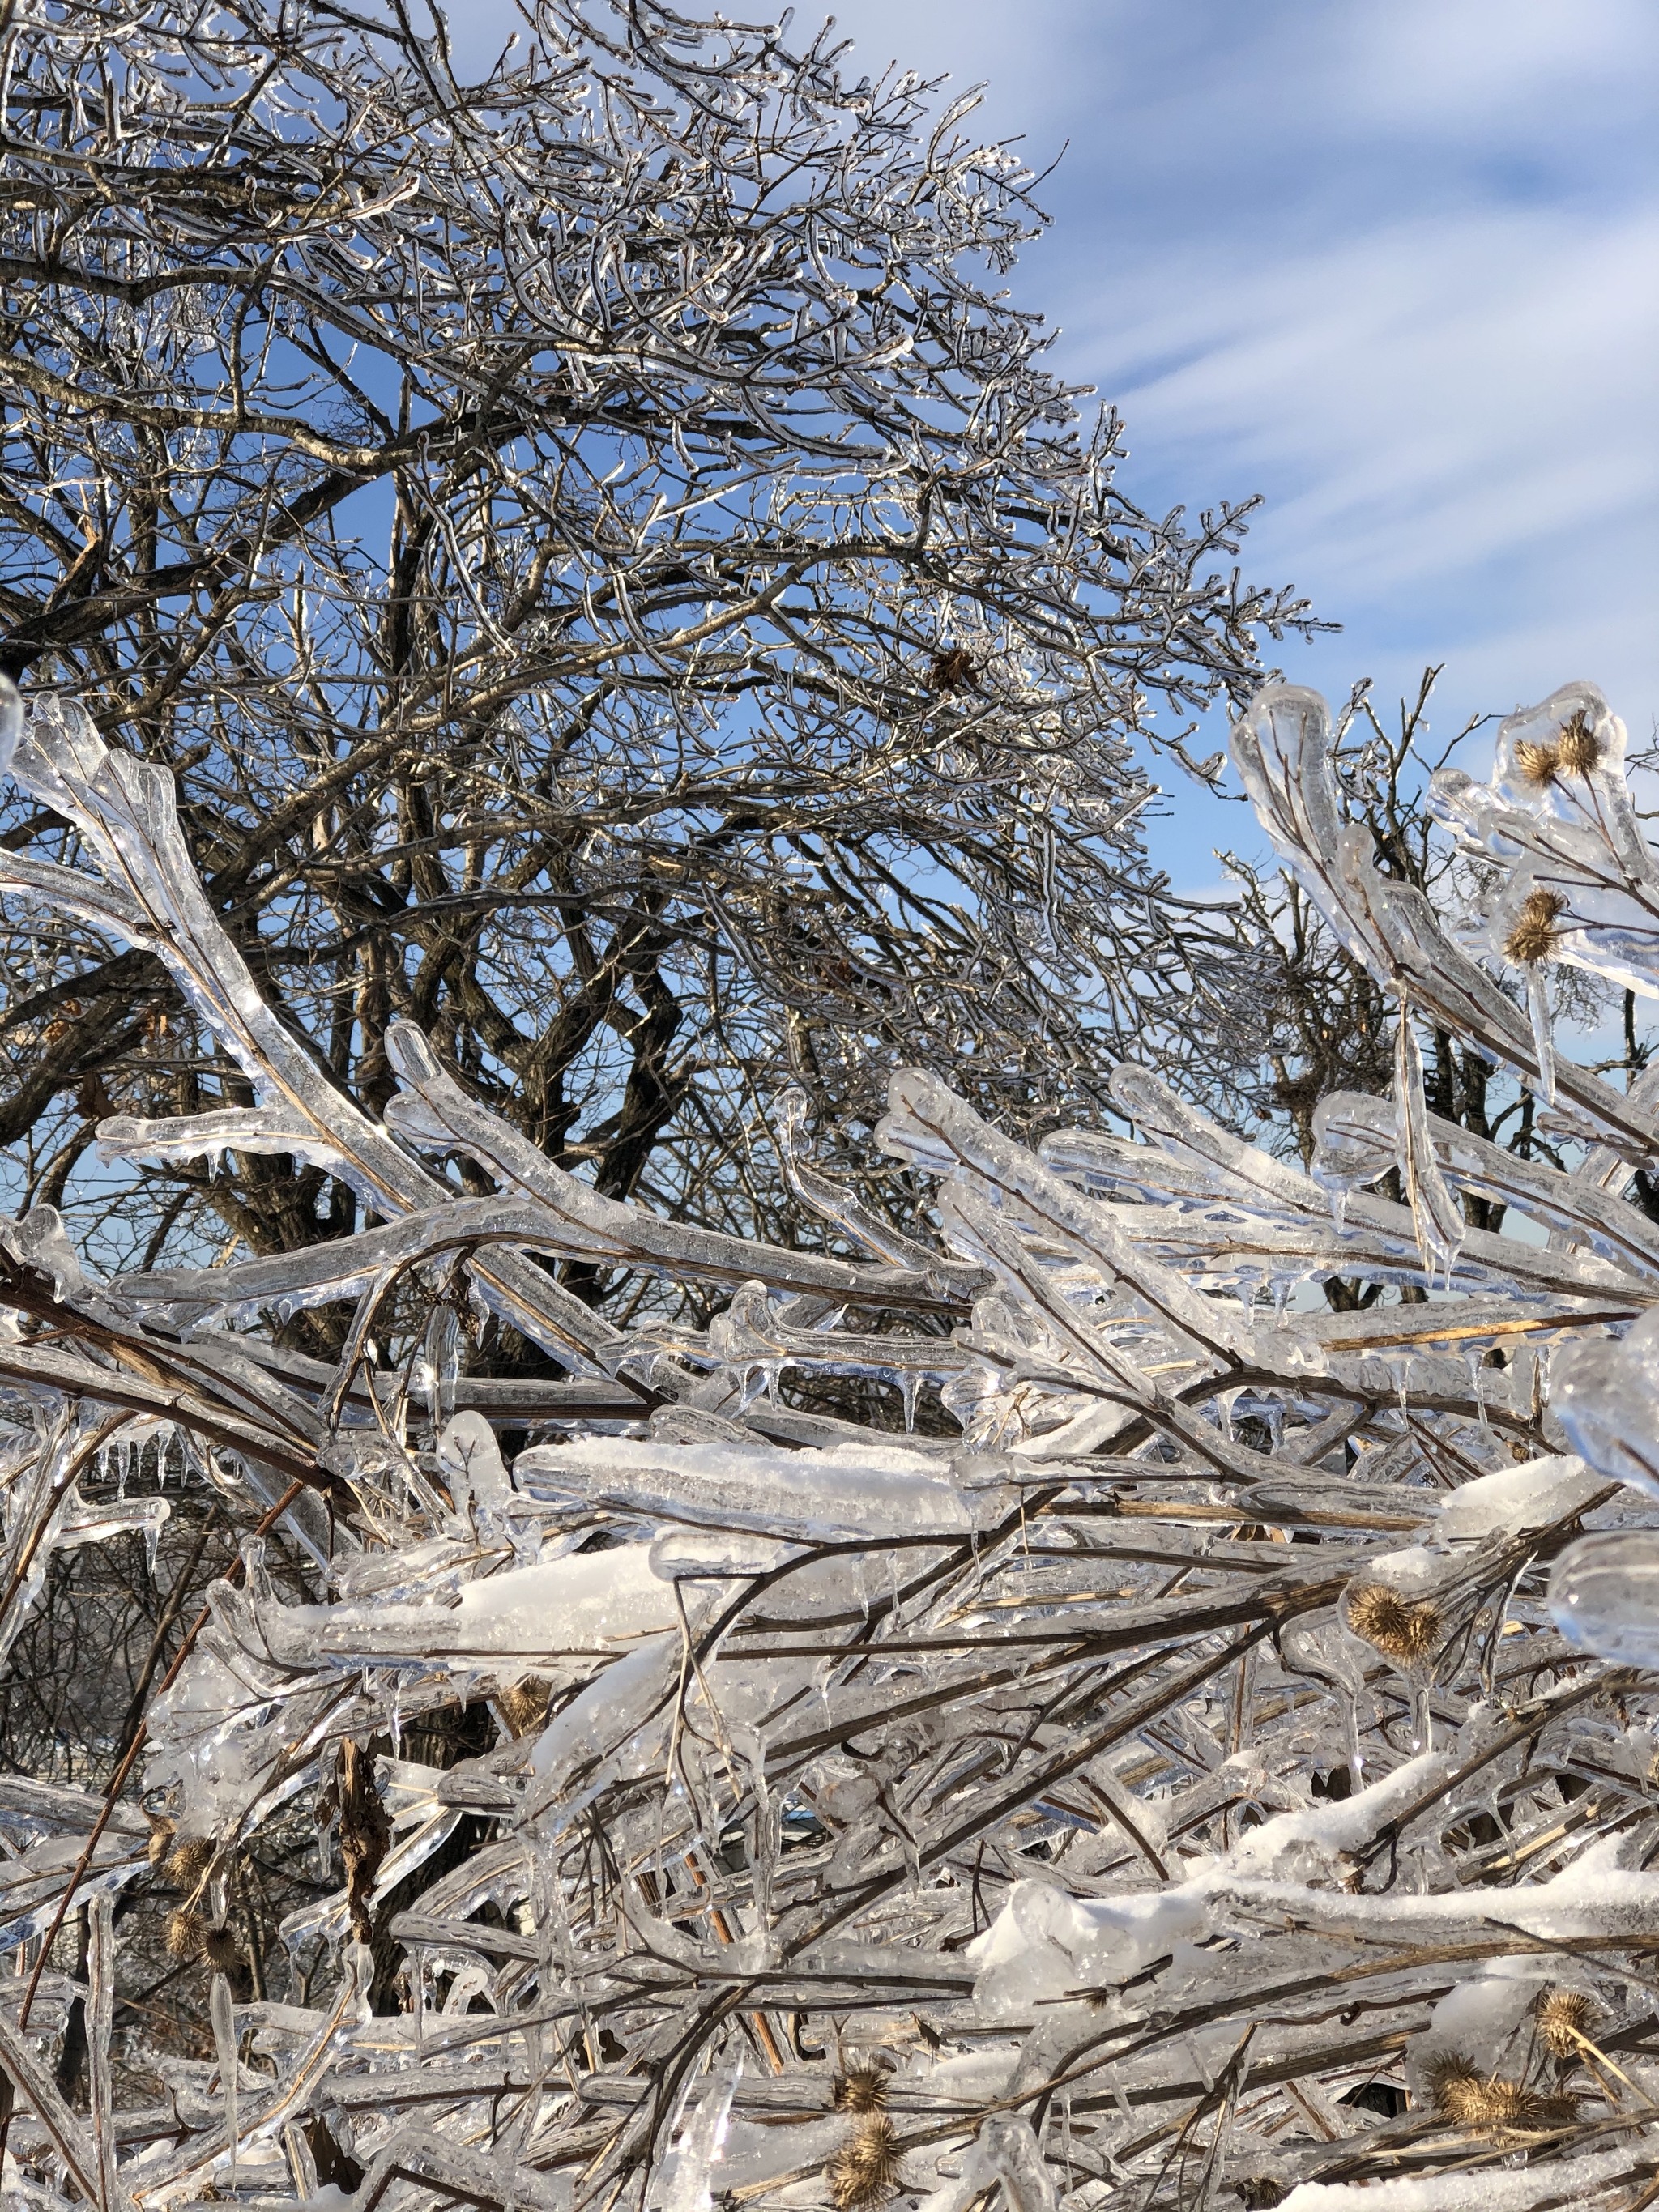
1488,67
1423,400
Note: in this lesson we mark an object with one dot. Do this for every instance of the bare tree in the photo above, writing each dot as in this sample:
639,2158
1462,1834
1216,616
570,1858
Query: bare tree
613,585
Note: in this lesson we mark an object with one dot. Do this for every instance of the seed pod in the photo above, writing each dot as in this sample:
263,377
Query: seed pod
865,2170
1563,2017
161,1833
186,1933
1489,2104
191,1860
1537,762
860,2089
1578,749
1391,1623
1533,938
524,1705
219,1947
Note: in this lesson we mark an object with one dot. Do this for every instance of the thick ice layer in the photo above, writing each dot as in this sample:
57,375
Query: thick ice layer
850,1492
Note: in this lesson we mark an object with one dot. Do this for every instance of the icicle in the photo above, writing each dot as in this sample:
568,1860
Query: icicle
1422,1719
698,2147
1476,1363
223,2013
1436,1212
1543,1029
910,1385
1398,1365
1349,1699
100,2022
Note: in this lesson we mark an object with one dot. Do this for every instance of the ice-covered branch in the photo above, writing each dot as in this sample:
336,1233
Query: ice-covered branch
1033,1704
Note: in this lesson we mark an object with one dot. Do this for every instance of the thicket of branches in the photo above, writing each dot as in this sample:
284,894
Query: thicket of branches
1212,1757
615,580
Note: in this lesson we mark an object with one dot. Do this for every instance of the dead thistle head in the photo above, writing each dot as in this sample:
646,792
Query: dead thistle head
860,2089
865,2170
523,1706
187,1934
1564,2017
191,1860
1533,938
1489,2104
219,1950
1537,762
1578,749
1391,1623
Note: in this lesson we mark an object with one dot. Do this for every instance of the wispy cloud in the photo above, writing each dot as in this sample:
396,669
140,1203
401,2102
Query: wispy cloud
1392,267
1429,401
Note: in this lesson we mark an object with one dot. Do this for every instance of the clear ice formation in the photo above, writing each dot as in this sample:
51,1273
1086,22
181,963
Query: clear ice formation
1189,1706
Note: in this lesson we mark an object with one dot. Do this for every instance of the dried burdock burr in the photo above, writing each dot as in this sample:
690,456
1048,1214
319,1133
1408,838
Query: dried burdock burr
1537,763
865,2170
860,2089
1398,1627
190,1862
1578,749
220,1950
1563,2021
523,1706
1533,938
1489,2103
186,1933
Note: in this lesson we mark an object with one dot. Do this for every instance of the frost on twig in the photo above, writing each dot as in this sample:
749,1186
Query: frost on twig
1205,1752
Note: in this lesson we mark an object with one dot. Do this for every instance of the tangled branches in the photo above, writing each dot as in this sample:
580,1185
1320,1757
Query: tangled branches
1211,1752
615,585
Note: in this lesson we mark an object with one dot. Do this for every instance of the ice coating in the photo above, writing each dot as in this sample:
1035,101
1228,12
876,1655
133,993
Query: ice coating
1604,1595
1034,1705
847,1492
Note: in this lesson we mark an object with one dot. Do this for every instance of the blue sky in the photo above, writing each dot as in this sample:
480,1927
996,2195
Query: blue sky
1394,266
